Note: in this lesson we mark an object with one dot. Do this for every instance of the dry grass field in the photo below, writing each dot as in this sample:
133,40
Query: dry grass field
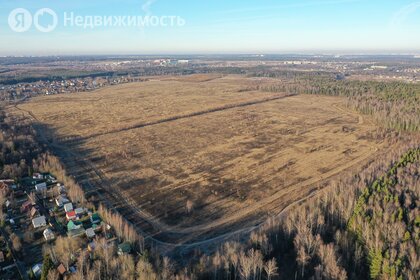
234,165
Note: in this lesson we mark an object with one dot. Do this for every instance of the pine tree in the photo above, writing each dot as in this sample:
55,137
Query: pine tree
375,259
47,265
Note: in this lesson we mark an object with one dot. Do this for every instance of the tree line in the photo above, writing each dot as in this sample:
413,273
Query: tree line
395,105
18,146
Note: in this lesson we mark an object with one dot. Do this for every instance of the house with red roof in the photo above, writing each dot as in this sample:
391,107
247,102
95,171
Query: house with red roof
71,215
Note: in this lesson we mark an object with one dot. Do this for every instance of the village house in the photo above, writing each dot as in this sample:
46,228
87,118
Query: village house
68,207
61,200
6,186
79,211
95,218
71,215
43,176
90,233
39,222
26,206
42,187
61,189
48,234
124,248
72,225
37,176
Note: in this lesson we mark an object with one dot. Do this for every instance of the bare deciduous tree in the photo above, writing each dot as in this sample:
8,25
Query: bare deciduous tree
189,206
144,271
270,268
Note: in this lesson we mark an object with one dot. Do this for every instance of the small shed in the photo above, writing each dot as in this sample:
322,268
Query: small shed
34,212
91,246
61,269
39,222
37,270
48,234
68,207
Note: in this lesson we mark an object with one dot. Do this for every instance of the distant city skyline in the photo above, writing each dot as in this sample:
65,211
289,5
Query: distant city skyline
220,27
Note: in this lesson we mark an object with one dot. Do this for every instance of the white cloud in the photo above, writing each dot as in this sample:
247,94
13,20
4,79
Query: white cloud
296,4
146,7
403,14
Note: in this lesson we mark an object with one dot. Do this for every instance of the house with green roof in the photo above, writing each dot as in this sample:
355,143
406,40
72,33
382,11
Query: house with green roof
73,225
95,218
124,248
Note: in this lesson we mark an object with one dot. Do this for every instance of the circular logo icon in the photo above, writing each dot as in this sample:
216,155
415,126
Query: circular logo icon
48,15
20,20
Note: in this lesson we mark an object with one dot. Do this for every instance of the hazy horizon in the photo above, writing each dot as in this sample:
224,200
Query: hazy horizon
234,54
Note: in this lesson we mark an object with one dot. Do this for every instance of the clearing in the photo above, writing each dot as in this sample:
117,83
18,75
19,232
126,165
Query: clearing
235,153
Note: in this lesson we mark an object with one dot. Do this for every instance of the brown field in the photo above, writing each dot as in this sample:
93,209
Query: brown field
245,155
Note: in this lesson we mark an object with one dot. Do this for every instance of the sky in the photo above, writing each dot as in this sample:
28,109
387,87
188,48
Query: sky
219,27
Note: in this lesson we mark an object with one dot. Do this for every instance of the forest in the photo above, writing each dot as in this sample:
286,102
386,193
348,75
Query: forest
395,105
18,146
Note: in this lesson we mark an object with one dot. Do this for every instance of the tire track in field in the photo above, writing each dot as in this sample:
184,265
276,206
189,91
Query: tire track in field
186,116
